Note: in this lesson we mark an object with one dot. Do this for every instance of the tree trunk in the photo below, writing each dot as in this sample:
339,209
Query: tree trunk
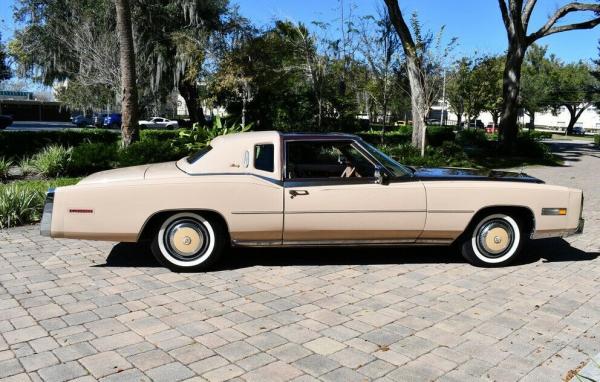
417,100
129,102
189,92
575,113
510,92
531,120
459,118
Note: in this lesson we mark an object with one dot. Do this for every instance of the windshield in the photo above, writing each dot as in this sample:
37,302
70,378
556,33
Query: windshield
391,165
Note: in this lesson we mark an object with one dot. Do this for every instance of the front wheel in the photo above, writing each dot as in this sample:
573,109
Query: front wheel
496,240
188,242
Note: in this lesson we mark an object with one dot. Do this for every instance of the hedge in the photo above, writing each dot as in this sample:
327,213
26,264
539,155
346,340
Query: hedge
435,136
597,140
19,144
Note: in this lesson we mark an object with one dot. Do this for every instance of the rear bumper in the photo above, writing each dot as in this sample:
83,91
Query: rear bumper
46,225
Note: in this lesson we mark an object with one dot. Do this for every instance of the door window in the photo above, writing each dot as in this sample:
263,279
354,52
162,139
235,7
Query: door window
326,160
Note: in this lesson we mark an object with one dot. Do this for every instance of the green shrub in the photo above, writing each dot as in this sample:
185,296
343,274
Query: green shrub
437,135
52,161
5,165
597,140
18,144
394,137
199,136
22,202
449,154
92,157
26,165
158,135
150,151
530,147
472,137
19,205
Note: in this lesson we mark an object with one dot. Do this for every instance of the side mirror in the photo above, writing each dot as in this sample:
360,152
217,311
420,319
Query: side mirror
381,177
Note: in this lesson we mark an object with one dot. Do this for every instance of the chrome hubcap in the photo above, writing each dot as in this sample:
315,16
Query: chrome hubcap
495,238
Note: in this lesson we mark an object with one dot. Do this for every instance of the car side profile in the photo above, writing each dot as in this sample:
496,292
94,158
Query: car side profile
292,189
158,123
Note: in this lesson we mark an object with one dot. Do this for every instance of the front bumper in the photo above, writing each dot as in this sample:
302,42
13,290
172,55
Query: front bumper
45,226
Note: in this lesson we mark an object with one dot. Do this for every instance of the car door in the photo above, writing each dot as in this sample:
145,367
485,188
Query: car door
331,196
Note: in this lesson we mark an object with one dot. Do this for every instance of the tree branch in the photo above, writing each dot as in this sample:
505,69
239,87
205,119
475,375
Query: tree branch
527,11
405,36
505,17
550,28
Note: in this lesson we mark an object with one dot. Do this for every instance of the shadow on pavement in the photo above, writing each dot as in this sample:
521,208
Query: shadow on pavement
573,151
548,250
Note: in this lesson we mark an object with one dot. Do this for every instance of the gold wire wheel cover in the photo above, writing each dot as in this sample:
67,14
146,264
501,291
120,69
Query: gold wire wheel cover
186,239
495,237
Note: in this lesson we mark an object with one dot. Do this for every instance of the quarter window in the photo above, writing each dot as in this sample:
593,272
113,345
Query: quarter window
264,157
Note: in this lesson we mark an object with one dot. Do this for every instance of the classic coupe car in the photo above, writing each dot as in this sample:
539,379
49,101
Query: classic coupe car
278,189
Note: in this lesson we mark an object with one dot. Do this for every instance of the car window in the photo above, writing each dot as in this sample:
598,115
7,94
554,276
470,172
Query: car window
326,159
264,157
199,154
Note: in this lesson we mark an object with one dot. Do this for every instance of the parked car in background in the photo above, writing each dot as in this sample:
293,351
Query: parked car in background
490,128
158,123
5,121
329,189
477,124
577,130
98,119
82,121
112,121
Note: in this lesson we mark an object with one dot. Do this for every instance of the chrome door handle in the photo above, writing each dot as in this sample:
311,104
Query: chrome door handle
294,193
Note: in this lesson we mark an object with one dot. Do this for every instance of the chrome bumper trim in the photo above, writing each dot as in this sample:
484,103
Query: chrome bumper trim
46,224
560,233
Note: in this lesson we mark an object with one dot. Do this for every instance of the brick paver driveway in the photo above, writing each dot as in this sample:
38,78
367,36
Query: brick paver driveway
76,309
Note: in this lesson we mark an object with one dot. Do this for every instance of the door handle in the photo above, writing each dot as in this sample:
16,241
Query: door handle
294,193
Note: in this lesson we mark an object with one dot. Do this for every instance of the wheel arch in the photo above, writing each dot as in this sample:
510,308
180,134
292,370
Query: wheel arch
523,214
153,222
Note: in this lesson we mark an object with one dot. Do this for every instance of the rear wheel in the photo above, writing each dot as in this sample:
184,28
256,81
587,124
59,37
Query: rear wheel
188,241
495,240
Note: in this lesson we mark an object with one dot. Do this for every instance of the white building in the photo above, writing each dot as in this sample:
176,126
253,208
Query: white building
589,119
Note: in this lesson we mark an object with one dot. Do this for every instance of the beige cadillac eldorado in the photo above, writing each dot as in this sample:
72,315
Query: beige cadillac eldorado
278,189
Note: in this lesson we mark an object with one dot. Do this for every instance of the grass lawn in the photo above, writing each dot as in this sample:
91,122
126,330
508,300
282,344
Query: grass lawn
562,137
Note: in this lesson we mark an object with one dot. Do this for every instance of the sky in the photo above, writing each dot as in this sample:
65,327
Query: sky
476,23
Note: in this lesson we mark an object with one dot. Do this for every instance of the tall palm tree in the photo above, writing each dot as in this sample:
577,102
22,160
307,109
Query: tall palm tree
129,103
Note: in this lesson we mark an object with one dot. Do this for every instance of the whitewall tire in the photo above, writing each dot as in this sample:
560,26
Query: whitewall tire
495,240
187,241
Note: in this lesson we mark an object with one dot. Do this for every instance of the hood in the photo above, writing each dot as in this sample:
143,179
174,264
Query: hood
429,174
147,171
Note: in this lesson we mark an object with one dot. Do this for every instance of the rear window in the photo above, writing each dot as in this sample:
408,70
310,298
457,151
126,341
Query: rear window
199,154
264,157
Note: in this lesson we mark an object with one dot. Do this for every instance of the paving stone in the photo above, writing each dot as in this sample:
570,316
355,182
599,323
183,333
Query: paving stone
38,361
324,346
316,364
62,372
10,367
274,372
103,364
236,350
224,373
174,371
